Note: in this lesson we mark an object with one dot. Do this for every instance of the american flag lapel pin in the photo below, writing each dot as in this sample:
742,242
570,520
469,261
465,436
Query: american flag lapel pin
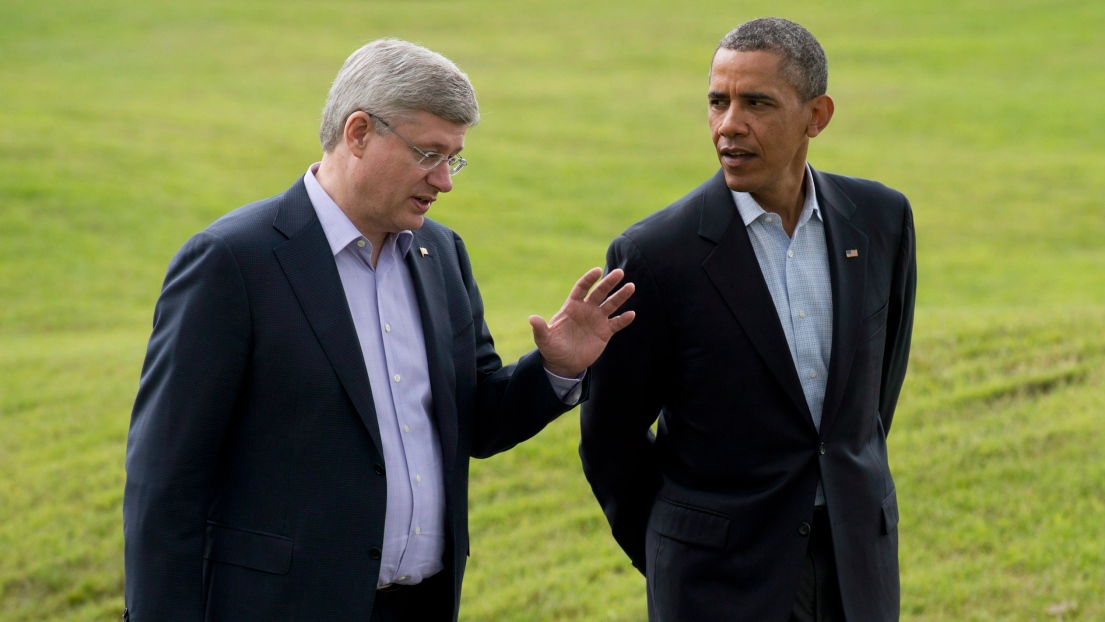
426,253
851,252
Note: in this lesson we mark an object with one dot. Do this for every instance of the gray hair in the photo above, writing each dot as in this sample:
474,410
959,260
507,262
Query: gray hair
391,78
803,60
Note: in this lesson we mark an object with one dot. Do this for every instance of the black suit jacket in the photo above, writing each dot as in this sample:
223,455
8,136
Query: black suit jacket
255,476
715,508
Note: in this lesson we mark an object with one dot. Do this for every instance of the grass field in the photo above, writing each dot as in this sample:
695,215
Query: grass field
125,127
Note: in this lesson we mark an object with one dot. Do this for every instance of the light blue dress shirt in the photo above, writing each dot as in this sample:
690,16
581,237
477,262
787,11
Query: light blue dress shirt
797,273
385,314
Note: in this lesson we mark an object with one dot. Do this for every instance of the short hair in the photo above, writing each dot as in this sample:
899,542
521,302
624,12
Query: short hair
803,59
392,78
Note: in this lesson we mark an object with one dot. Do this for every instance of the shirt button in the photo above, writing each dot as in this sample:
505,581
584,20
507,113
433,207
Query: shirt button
813,374
790,253
563,393
402,578
802,314
406,428
768,219
418,478
360,243
417,530
397,377
387,328
821,449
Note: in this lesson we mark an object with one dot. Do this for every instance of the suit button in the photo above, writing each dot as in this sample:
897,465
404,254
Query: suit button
379,468
821,449
804,529
374,553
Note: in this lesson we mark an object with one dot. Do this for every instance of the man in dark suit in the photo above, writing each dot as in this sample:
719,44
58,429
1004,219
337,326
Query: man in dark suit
774,311
320,373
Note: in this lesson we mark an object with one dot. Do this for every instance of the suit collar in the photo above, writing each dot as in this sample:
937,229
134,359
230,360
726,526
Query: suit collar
295,211
718,211
424,263
308,264
735,272
848,274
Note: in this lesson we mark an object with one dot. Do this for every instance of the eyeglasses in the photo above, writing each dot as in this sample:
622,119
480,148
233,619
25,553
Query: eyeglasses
429,160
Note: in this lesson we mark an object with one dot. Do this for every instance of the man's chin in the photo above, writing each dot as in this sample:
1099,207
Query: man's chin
737,183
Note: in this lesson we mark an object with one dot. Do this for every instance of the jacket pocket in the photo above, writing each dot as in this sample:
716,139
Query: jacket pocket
689,524
250,549
872,323
890,512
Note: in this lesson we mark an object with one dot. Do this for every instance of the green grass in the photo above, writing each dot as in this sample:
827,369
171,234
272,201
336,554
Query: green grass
126,127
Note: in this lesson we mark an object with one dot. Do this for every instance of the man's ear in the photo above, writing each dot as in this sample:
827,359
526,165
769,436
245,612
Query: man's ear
359,130
822,108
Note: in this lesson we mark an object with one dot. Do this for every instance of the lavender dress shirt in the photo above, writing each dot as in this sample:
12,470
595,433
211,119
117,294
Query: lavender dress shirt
385,313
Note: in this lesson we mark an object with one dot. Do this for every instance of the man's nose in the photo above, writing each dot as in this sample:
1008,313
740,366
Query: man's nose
733,122
440,178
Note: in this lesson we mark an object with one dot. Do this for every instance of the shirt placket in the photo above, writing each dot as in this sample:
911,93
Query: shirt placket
394,329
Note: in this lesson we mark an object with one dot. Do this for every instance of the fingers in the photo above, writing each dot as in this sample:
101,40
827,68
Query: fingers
606,285
615,301
621,321
583,285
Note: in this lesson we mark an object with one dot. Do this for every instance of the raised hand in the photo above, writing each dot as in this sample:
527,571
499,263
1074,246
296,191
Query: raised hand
579,331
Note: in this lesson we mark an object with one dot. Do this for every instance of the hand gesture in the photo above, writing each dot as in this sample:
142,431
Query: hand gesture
578,333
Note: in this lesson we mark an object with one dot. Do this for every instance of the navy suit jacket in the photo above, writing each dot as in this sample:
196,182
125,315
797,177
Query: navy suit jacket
255,477
715,509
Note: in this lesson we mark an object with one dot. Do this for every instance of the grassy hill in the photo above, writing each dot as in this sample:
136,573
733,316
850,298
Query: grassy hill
126,127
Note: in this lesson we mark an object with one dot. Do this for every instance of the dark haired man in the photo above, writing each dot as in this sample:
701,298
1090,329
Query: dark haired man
774,312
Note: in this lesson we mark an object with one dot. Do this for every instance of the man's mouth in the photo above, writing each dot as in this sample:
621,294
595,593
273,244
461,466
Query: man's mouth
731,156
423,201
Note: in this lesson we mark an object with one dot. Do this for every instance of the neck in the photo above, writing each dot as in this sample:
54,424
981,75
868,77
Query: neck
331,176
786,201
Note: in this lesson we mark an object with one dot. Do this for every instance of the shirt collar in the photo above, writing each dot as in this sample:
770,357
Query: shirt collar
340,231
750,210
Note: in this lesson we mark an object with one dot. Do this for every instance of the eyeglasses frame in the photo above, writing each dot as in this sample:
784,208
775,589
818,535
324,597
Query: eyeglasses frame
456,163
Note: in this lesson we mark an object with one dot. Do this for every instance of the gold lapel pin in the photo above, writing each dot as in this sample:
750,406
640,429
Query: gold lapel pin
851,252
422,249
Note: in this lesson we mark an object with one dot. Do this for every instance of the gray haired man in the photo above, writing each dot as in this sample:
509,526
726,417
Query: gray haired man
774,310
320,374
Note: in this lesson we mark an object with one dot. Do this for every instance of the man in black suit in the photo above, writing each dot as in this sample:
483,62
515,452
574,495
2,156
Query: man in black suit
774,312
320,373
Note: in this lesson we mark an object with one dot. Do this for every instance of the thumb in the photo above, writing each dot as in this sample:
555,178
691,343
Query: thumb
540,330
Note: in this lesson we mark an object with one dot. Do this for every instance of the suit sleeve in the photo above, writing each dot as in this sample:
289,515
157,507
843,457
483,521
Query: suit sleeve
512,403
194,368
899,322
627,393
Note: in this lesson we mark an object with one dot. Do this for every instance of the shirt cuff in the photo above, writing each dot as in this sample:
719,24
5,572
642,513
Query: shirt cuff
568,390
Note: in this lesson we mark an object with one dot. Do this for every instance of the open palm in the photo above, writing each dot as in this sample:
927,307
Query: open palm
580,330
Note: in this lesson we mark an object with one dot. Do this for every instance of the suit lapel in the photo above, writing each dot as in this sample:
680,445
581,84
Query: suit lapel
848,276
733,269
309,265
429,286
